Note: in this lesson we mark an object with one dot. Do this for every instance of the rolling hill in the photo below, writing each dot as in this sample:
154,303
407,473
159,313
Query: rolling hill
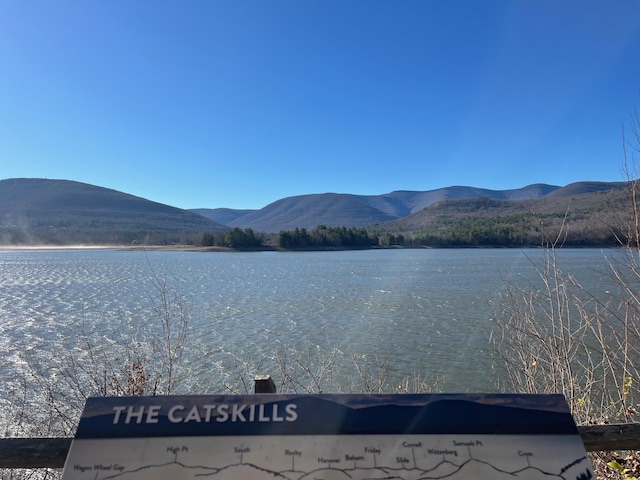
62,211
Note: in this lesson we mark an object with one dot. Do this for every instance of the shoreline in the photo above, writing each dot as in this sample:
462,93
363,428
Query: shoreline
266,248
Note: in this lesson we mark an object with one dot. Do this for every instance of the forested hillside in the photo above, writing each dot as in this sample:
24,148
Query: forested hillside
59,212
581,215
577,215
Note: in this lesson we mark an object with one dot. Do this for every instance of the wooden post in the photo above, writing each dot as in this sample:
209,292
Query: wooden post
264,384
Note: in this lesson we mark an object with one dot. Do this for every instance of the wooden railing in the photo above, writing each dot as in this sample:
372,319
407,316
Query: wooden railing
52,452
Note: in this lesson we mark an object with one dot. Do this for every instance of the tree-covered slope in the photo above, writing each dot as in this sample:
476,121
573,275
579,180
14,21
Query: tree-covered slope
590,214
36,209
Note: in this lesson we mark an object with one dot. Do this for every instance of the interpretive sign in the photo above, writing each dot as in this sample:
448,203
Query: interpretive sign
332,437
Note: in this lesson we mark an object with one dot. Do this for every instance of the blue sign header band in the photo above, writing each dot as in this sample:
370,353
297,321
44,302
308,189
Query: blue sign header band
274,414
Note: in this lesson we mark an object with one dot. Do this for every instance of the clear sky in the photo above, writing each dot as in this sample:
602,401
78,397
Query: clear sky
210,103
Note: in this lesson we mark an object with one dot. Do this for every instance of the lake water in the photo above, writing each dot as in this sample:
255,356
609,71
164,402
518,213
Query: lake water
428,311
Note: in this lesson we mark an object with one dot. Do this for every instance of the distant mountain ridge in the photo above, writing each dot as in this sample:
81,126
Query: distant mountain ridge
334,209
64,211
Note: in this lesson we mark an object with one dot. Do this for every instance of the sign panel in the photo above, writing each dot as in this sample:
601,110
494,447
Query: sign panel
332,437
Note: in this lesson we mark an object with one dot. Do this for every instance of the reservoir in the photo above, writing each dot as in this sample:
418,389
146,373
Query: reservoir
417,312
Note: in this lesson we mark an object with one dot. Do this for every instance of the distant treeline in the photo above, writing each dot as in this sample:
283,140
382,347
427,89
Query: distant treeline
486,233
480,233
324,236
454,236
78,236
234,238
514,231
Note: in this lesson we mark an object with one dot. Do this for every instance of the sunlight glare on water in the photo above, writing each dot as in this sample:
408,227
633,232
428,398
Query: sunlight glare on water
428,311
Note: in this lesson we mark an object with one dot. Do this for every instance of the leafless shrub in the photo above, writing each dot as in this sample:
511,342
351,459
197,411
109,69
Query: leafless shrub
325,370
44,394
559,338
310,371
556,336
373,377
238,374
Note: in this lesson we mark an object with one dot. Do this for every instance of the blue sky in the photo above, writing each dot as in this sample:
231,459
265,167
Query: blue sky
206,103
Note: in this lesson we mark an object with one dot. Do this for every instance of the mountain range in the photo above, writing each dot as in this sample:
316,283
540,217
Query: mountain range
65,209
403,208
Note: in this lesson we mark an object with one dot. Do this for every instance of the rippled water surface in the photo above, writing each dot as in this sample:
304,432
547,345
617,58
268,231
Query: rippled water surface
429,311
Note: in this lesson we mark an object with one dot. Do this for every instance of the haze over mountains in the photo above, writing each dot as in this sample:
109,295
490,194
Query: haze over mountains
30,206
